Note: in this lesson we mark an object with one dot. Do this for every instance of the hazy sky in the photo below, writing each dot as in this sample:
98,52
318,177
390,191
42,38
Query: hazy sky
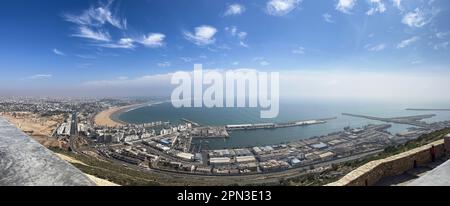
372,49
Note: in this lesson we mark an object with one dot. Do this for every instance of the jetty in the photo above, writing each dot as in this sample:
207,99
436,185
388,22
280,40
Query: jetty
276,125
420,109
191,122
409,120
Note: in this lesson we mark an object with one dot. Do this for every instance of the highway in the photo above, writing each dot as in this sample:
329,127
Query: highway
73,132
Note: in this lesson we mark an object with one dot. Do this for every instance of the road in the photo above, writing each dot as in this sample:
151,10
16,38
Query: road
73,132
255,178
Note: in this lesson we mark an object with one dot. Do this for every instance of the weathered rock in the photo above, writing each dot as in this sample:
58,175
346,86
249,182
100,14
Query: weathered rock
24,162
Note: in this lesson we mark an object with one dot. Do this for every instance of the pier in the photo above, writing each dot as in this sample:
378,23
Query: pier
276,125
191,122
409,120
422,109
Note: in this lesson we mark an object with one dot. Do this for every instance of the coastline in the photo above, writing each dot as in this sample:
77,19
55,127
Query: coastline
109,117
106,117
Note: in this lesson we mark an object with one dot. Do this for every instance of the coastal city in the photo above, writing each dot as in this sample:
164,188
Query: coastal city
211,102
86,126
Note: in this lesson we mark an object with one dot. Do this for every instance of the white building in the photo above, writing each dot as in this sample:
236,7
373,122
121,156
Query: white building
220,160
186,156
245,159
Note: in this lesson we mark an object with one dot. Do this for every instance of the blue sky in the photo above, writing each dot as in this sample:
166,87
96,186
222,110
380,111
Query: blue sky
72,45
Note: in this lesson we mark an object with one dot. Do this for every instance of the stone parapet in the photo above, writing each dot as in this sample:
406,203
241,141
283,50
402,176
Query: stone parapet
372,172
447,144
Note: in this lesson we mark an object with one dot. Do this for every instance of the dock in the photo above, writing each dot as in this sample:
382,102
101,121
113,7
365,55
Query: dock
191,122
409,120
276,125
422,109
209,132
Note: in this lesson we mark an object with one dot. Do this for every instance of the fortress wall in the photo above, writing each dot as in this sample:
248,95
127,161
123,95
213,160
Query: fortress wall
372,172
447,144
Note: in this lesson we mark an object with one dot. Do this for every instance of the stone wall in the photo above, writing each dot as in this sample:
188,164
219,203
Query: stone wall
372,172
447,144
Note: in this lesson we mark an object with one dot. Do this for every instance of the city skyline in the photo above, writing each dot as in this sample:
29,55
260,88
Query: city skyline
106,48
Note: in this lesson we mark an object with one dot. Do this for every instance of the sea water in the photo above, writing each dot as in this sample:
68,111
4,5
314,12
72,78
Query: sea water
290,110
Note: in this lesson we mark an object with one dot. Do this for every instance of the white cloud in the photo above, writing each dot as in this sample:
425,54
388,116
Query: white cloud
322,84
153,40
328,18
240,35
416,18
442,35
124,43
233,31
414,62
264,63
92,24
39,76
281,7
443,45
234,9
402,86
345,6
203,35
57,52
122,78
83,56
84,65
407,42
157,81
97,17
299,50
164,64
186,59
376,6
376,48
243,44
397,4
85,32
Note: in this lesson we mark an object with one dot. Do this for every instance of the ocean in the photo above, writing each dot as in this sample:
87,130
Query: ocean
290,110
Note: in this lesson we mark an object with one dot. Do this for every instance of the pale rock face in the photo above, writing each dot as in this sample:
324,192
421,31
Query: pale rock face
24,162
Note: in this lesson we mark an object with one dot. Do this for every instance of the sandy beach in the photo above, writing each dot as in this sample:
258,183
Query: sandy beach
104,118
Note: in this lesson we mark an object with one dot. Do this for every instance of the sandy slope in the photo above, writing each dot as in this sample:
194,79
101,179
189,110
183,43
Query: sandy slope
40,128
98,181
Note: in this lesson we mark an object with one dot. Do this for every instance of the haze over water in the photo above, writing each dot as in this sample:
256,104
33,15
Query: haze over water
291,110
